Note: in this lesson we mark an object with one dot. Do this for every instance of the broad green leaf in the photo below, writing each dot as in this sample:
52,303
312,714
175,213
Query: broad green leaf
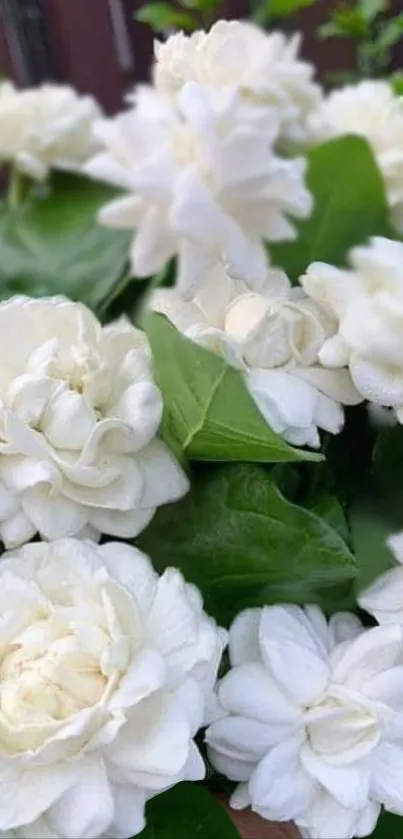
187,811
238,539
208,413
350,206
389,827
163,16
54,245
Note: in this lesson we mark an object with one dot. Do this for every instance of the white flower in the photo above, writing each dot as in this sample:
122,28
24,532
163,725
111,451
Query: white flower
274,338
270,72
105,674
372,110
78,417
384,597
312,720
45,127
367,302
203,182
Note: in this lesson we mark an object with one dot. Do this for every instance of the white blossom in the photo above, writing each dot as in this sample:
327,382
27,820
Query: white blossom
203,183
45,127
105,676
273,337
384,597
79,414
372,110
270,72
312,720
367,302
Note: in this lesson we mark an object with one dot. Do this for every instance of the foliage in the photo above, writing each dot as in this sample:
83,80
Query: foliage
244,544
267,11
264,522
184,811
349,206
51,243
374,33
208,413
189,15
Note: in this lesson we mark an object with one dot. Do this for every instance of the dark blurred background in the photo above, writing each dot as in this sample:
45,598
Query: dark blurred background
99,48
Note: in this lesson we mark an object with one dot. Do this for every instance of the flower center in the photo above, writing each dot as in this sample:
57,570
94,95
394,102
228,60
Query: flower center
340,731
39,685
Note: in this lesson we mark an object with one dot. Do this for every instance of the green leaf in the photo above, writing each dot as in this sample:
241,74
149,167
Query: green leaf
208,413
238,539
331,29
351,22
350,206
200,5
283,8
330,509
54,245
370,9
162,16
389,827
391,32
188,811
396,81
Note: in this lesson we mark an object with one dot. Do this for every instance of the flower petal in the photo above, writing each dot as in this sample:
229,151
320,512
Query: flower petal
279,788
244,637
292,653
86,809
129,818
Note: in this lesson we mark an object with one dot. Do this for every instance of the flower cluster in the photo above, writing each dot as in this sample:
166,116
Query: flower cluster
79,414
205,179
46,127
113,683
367,303
311,719
105,674
270,73
274,337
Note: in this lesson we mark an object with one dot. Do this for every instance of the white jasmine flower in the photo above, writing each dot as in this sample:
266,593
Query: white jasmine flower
312,725
367,302
270,72
274,338
104,680
45,127
372,110
203,183
384,598
79,414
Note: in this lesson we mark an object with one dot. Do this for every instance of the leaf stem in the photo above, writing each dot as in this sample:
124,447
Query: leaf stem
15,187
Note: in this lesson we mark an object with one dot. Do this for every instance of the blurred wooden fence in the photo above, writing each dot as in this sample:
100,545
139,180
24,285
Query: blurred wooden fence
97,46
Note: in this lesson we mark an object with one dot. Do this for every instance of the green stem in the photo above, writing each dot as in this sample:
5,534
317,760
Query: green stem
15,188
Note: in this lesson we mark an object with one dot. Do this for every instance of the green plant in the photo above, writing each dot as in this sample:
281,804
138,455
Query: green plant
375,34
189,15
